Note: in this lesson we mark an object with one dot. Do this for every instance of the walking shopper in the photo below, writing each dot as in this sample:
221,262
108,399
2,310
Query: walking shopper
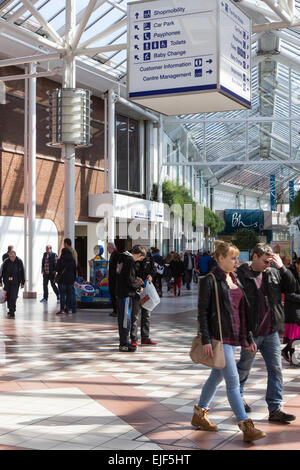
145,271
126,288
13,276
264,286
235,332
48,271
189,265
6,255
177,269
66,274
292,314
112,250
168,272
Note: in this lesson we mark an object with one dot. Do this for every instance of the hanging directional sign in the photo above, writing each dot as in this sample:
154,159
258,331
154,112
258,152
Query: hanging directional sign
198,52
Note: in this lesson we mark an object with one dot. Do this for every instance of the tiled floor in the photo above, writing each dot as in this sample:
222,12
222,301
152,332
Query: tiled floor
65,385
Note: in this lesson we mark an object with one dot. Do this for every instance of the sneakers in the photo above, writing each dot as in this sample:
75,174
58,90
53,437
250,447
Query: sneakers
127,348
134,343
200,419
10,315
44,300
246,406
285,355
148,341
250,432
280,416
60,312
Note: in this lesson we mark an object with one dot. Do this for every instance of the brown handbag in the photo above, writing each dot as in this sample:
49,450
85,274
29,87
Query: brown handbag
196,353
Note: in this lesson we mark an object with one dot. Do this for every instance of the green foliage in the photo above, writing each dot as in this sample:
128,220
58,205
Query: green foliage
175,194
245,239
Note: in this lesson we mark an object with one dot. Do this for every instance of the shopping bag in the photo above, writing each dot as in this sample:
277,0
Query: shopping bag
149,297
2,296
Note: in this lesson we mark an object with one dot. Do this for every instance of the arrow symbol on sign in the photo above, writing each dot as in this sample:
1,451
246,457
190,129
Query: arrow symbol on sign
137,47
209,61
137,15
136,37
209,71
136,57
136,27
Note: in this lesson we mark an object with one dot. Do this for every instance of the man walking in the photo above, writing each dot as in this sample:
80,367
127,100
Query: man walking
73,304
189,265
6,255
12,275
48,271
263,287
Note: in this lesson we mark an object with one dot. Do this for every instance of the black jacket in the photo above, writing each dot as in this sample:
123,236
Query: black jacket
177,268
292,301
52,262
186,261
146,267
126,283
207,308
12,269
276,282
112,266
66,267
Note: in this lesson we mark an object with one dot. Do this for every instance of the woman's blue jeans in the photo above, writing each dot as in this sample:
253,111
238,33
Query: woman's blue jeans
231,376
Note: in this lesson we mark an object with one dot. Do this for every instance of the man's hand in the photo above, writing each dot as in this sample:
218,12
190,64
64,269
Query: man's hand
275,259
1,285
149,277
140,281
252,348
22,286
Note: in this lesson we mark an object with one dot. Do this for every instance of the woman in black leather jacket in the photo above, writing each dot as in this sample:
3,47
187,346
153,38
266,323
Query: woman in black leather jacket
235,333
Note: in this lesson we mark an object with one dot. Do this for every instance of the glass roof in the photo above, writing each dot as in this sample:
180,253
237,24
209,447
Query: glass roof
269,131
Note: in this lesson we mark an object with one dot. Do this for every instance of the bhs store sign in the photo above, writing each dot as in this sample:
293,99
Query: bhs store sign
243,218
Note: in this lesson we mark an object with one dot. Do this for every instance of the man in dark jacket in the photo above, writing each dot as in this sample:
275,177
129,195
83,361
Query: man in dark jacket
145,271
48,271
112,250
189,265
159,265
12,274
126,288
66,271
263,287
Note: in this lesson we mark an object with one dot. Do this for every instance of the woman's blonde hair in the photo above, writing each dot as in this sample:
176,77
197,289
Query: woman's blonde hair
224,249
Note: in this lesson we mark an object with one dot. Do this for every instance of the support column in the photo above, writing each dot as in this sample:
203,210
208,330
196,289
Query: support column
26,182
31,183
68,150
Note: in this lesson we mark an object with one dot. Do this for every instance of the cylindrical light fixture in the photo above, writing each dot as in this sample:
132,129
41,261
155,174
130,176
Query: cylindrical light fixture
69,117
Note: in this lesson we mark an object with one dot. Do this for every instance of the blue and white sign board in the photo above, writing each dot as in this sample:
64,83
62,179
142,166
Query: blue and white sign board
196,51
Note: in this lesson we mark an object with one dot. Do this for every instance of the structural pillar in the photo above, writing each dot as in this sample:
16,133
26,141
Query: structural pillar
31,185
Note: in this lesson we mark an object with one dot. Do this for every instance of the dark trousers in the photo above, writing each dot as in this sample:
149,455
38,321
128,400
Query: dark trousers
157,283
46,279
66,296
124,319
113,300
145,320
188,278
12,291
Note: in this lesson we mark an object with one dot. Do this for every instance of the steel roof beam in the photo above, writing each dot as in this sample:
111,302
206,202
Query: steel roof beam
106,32
278,10
51,31
101,49
88,11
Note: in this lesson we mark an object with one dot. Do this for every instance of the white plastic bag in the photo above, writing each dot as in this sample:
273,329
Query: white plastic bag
2,296
149,297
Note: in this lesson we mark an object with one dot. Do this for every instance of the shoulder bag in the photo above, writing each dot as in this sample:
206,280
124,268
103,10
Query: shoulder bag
196,353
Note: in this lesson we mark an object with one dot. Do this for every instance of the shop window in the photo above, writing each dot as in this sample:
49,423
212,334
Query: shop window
127,159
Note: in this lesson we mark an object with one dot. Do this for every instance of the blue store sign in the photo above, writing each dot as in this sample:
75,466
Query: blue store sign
235,219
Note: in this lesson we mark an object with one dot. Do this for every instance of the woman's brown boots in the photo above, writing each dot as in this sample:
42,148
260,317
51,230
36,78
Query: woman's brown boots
200,420
250,432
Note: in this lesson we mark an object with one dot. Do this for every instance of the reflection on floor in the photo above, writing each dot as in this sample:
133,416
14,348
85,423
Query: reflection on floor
65,385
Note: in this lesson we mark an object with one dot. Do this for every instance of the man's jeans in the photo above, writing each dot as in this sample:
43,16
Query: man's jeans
124,319
145,320
230,374
269,346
